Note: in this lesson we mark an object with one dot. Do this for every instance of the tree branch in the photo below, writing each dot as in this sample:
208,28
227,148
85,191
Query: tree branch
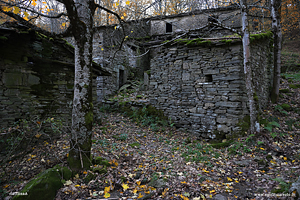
34,27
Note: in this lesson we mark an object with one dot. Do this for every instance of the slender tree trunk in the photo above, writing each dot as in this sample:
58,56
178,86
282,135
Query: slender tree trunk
247,66
276,27
82,113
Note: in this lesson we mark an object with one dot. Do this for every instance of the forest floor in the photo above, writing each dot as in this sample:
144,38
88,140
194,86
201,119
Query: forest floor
153,160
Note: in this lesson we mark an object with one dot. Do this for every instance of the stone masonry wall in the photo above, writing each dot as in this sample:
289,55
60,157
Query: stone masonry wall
202,88
36,78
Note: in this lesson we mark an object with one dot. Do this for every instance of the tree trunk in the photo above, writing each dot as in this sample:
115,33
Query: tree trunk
82,113
247,66
276,28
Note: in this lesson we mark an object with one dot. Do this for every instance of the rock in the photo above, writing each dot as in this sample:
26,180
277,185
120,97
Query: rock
295,187
45,185
219,197
159,183
243,163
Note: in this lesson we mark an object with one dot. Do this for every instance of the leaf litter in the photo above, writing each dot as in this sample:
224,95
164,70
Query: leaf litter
173,164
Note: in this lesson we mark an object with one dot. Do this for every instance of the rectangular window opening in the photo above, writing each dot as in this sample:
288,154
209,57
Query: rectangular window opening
208,78
168,28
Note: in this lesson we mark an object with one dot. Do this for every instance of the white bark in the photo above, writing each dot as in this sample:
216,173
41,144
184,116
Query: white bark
82,113
247,66
276,28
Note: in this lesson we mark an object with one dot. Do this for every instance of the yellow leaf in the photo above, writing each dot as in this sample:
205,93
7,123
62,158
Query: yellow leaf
33,3
6,186
28,159
101,49
16,10
117,4
140,195
77,185
138,182
125,186
284,158
165,191
229,179
122,18
106,189
37,135
127,2
48,10
7,9
76,176
85,172
212,191
44,2
63,24
134,191
106,195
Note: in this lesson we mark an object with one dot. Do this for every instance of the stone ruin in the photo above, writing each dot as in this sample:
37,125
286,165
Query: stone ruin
196,67
196,71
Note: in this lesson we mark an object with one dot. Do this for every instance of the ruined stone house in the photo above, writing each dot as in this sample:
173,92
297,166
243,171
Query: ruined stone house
36,76
196,67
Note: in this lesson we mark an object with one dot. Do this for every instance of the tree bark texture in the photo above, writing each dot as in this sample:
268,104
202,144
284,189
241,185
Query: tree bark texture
81,20
247,66
276,28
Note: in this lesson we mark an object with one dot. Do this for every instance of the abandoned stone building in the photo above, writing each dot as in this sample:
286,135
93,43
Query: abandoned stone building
195,64
36,76
196,67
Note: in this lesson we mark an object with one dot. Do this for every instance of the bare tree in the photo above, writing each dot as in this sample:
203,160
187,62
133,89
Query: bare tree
276,28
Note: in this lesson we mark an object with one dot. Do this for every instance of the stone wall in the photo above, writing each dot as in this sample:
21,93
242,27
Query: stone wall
36,77
202,88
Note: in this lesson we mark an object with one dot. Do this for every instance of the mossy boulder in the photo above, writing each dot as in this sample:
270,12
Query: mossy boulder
101,161
45,185
100,169
286,107
284,91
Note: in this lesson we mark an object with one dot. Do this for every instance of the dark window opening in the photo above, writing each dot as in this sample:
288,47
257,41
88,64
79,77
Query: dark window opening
121,78
208,78
169,38
168,28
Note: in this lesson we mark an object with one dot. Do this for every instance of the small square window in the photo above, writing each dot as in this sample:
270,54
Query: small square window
168,28
208,78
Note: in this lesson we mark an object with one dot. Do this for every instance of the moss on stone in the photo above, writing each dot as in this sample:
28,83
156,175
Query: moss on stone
222,144
45,185
284,90
101,161
294,86
101,169
286,107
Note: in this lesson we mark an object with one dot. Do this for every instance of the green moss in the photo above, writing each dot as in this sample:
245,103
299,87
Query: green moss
284,90
222,144
244,124
286,107
3,38
89,117
101,169
261,36
135,144
45,185
294,86
90,176
101,161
